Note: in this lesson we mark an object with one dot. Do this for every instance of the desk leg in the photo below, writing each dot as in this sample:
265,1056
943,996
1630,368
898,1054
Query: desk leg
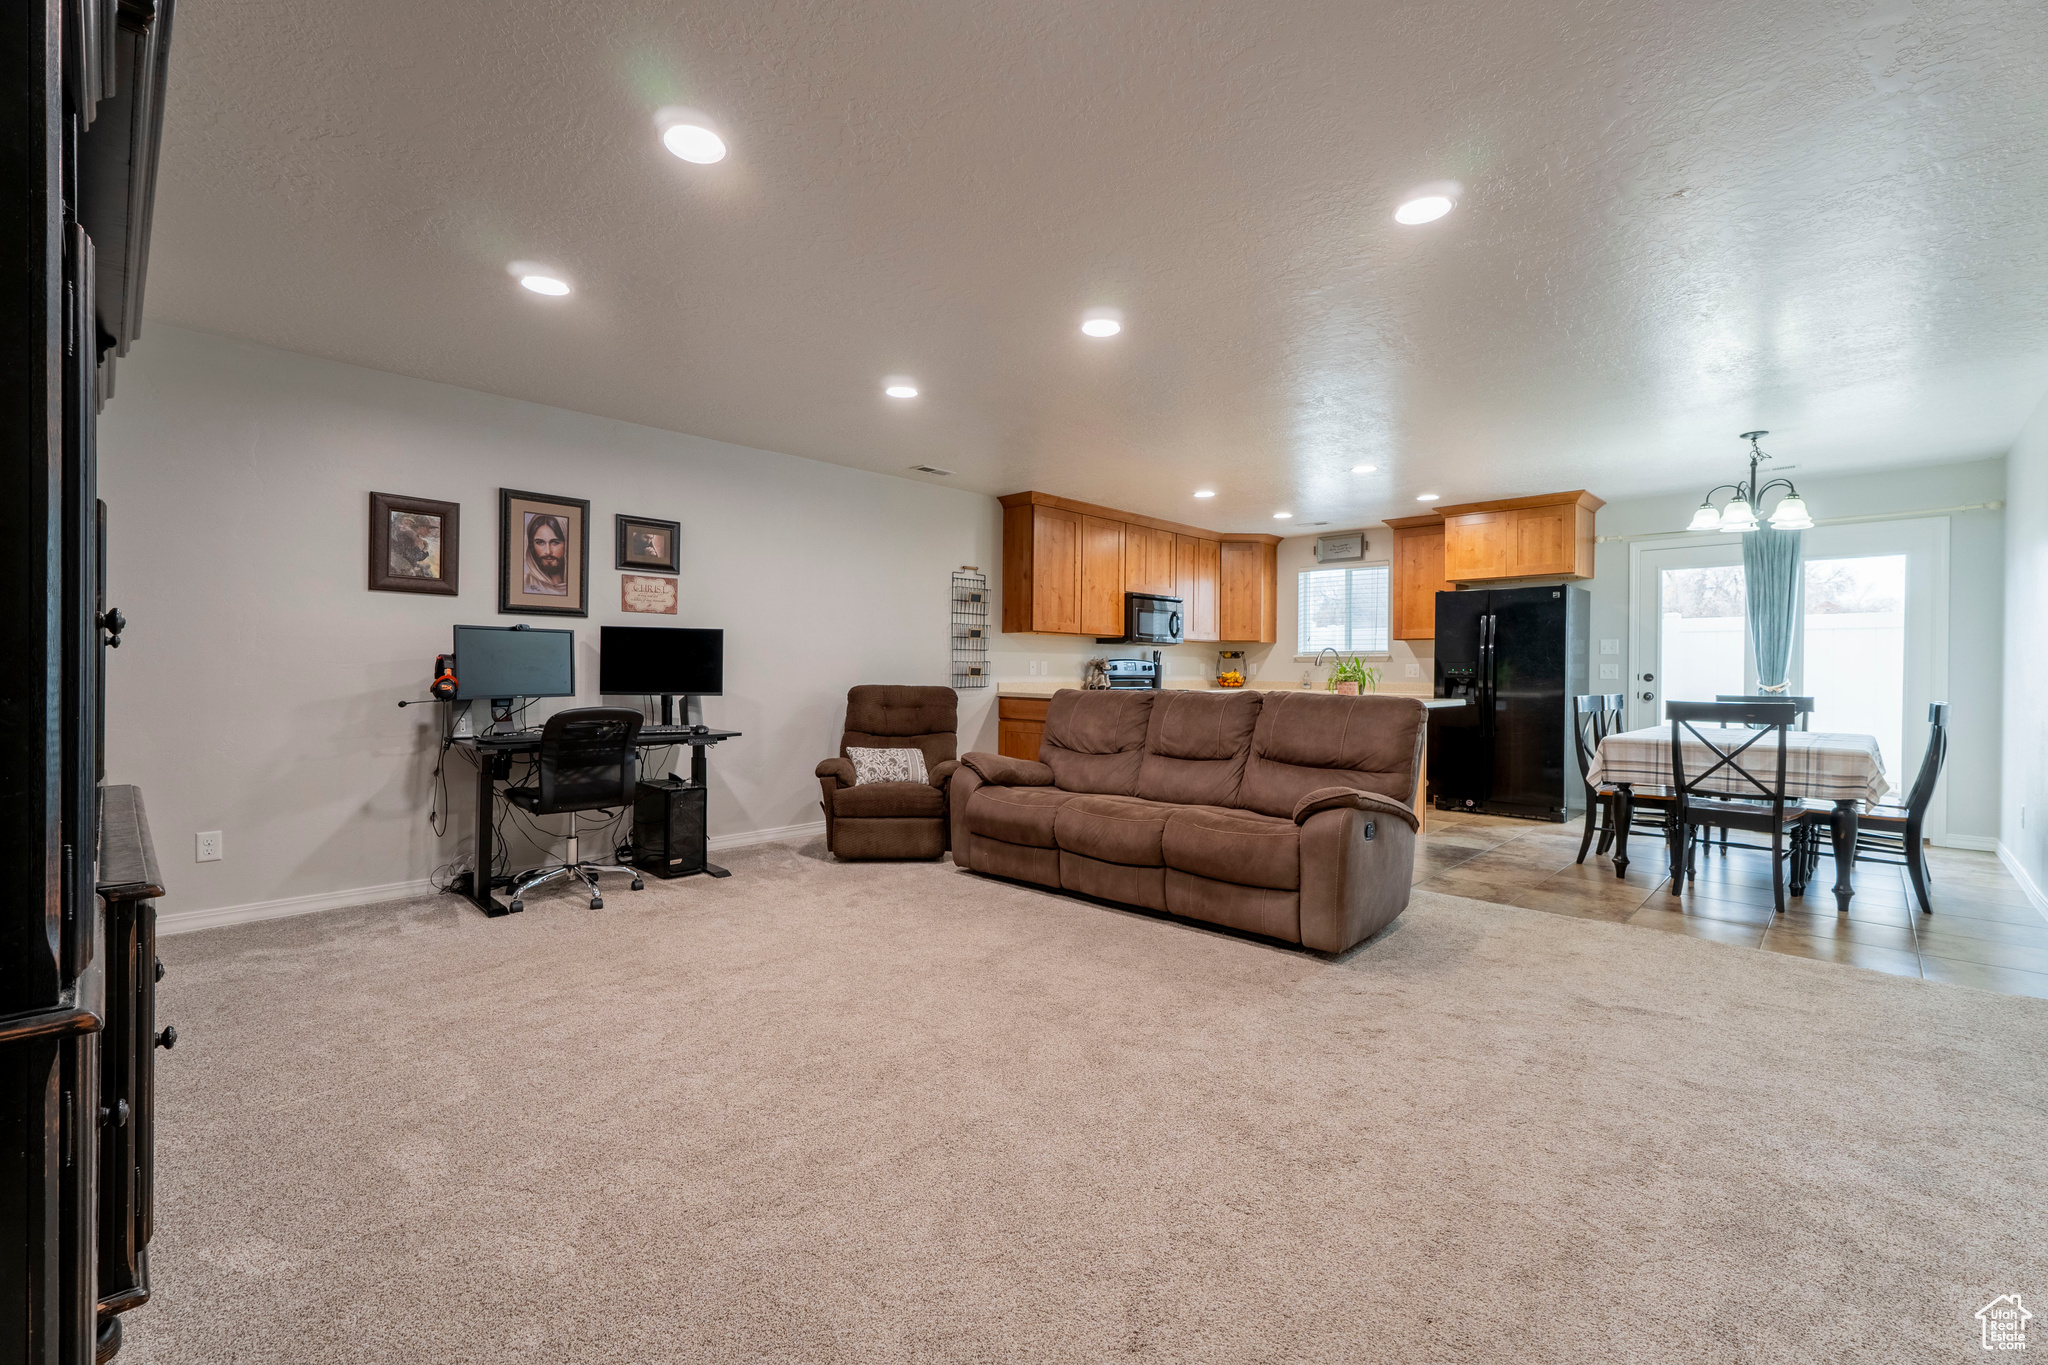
699,770
486,856
1624,812
1843,828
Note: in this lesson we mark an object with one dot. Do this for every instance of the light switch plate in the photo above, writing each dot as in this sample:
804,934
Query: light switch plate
1610,670
208,842
1610,647
1414,670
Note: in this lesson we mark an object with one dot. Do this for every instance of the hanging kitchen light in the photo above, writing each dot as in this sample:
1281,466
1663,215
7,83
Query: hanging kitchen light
1739,513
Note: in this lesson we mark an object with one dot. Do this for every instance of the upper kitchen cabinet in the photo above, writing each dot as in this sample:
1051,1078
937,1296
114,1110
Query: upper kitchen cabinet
1067,566
1417,576
1548,536
1248,591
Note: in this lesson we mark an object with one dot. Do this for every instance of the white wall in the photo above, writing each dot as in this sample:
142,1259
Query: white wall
1976,613
2024,845
256,689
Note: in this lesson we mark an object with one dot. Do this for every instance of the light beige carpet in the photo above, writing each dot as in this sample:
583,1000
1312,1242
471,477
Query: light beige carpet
901,1113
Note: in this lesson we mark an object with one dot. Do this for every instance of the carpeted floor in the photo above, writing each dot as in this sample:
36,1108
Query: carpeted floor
897,1112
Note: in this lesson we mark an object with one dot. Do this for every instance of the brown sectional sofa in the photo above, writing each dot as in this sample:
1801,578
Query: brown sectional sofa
1288,814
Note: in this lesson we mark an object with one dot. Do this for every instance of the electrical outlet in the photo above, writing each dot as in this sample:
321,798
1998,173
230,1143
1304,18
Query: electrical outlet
1034,668
1414,671
1610,647
1610,670
209,846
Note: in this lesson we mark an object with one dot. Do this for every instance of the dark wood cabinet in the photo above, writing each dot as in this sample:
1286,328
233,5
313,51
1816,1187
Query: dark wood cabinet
1020,726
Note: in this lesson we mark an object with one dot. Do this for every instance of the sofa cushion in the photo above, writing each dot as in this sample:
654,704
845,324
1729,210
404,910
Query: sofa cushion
887,799
890,839
1015,815
1308,740
1144,886
1112,829
1254,909
1195,747
1094,741
1237,846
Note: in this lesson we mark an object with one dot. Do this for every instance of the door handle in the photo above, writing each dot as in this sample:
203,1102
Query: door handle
1649,696
113,623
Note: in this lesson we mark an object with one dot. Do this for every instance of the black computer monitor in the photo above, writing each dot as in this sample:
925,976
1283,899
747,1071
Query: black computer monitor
495,662
662,661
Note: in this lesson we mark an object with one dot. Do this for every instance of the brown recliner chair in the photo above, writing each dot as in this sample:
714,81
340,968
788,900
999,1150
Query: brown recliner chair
892,819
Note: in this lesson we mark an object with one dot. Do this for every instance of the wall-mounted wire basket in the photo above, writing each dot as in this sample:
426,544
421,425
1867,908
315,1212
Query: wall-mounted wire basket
970,628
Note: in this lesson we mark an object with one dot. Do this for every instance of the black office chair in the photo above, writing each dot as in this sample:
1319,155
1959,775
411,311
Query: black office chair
1756,805
1893,834
589,760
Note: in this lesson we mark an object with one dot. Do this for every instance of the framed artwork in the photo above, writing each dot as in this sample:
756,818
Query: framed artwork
650,545
415,544
543,554
644,592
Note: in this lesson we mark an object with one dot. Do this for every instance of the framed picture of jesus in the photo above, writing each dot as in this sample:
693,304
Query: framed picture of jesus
543,554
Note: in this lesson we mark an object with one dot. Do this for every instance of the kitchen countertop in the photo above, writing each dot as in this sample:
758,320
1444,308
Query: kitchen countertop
1046,689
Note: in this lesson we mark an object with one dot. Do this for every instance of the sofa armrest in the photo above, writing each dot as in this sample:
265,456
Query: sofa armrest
1349,798
841,768
998,771
941,771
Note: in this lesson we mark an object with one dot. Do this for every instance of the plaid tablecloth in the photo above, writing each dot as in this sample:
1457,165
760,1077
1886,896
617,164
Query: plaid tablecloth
1824,767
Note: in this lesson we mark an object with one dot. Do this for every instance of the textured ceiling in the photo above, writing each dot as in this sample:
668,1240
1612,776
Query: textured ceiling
1681,220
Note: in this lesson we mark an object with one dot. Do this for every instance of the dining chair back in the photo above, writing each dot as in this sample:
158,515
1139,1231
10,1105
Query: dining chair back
1896,835
1730,791
1595,717
1804,705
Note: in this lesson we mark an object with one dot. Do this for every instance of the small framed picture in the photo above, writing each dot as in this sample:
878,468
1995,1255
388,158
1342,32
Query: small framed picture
415,544
543,554
644,592
649,545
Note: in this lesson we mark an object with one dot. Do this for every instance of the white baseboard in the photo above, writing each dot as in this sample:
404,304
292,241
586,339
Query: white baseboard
815,829
185,921
1982,843
2019,874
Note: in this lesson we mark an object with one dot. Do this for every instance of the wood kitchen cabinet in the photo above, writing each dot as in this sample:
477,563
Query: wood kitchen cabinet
1148,560
1067,566
1417,575
1248,591
1547,536
1197,570
1020,726
1102,576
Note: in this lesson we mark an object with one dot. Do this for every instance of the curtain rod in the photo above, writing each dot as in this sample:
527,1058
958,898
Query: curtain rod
1827,521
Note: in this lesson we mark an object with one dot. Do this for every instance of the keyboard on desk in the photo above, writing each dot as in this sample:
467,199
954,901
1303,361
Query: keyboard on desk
649,734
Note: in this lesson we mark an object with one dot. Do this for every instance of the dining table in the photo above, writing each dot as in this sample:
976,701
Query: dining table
1844,769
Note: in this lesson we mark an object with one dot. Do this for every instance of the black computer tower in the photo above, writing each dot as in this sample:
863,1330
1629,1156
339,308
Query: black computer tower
668,828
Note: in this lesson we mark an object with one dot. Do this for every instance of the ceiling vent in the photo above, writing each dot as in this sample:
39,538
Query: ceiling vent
930,469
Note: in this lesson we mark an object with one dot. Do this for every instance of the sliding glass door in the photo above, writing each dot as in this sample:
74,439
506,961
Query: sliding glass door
1870,647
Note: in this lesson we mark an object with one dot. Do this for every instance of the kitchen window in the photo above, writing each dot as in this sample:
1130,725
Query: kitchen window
1343,609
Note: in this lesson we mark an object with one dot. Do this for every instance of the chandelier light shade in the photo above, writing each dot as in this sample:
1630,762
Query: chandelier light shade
1745,500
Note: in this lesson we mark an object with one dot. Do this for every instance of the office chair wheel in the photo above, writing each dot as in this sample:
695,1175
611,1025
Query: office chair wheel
597,902
639,885
517,905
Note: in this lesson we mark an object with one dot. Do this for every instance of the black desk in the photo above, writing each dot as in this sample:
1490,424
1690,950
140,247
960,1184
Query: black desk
494,754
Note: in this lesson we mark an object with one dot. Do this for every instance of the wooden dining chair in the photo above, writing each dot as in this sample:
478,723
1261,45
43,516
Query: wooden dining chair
1757,803
1894,834
1595,717
1804,705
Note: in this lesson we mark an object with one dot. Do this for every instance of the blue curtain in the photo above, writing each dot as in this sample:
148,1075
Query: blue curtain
1770,577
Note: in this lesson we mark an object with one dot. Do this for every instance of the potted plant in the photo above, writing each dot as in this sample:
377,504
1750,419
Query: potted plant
1352,676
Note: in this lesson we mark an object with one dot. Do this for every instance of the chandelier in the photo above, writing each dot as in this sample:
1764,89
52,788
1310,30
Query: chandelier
1740,513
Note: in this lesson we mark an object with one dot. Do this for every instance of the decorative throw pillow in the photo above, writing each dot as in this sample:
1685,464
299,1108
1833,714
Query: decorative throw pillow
887,765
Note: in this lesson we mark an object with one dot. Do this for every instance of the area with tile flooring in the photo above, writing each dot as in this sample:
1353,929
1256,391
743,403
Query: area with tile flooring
1982,931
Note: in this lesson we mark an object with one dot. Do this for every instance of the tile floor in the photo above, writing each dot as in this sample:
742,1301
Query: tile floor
1982,933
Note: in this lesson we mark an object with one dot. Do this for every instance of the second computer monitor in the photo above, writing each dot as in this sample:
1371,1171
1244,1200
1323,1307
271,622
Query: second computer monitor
660,661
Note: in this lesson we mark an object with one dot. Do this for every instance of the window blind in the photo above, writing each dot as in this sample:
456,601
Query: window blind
1343,609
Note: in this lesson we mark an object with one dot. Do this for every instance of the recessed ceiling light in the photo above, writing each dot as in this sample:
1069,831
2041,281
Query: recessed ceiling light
1427,203
1205,492
1364,468
545,284
1282,516
1427,497
899,387
688,134
1102,322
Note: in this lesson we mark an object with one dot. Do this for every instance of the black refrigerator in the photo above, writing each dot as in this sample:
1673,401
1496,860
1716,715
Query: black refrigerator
1518,657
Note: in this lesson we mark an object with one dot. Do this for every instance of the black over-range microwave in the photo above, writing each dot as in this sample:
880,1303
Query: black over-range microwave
1149,620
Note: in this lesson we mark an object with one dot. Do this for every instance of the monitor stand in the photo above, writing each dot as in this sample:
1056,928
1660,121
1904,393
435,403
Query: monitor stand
504,705
668,707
